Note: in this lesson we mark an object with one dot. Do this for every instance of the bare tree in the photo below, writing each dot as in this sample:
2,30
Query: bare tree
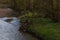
31,5
14,4
25,6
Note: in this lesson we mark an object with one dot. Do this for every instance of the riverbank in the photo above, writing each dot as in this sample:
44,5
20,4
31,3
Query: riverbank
28,36
44,29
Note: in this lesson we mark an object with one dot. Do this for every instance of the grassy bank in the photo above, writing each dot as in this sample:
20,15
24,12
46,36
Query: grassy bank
42,27
45,28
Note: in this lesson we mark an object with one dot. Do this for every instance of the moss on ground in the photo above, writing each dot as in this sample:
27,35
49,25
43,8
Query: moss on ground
45,28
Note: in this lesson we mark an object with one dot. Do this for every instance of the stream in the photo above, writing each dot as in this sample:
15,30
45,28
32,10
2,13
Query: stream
9,29
26,36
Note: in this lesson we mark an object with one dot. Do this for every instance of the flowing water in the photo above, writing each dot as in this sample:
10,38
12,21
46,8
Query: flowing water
27,36
9,30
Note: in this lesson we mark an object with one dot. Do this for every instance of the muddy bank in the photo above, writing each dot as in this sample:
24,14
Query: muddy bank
28,36
33,34
24,29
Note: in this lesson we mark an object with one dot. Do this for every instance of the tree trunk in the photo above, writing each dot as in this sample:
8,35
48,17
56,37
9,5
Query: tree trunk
25,6
31,5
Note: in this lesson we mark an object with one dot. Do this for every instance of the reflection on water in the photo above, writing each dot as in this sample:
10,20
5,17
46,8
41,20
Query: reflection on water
26,36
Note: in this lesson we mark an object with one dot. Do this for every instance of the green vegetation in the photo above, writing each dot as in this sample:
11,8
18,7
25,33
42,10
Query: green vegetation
47,8
45,28
44,14
45,17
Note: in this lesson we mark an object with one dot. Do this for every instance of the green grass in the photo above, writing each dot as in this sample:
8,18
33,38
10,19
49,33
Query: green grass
45,28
